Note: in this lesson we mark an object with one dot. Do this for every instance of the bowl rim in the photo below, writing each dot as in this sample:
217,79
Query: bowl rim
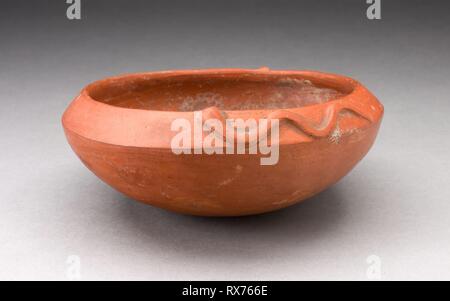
142,128
329,80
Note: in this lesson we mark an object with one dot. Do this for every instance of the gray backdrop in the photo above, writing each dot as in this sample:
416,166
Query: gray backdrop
395,204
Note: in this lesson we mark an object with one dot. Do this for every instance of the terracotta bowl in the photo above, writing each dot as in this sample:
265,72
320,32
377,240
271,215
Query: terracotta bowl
120,128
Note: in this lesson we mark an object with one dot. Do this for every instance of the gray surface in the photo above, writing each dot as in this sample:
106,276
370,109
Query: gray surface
394,204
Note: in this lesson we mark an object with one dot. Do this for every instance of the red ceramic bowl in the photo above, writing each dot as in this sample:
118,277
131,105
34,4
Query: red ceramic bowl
120,127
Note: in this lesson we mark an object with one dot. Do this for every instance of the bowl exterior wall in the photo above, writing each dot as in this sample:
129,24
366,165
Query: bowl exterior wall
223,185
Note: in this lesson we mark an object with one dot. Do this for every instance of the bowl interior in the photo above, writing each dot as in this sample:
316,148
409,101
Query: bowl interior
226,91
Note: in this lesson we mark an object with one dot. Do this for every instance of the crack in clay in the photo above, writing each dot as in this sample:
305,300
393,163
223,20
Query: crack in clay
238,170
